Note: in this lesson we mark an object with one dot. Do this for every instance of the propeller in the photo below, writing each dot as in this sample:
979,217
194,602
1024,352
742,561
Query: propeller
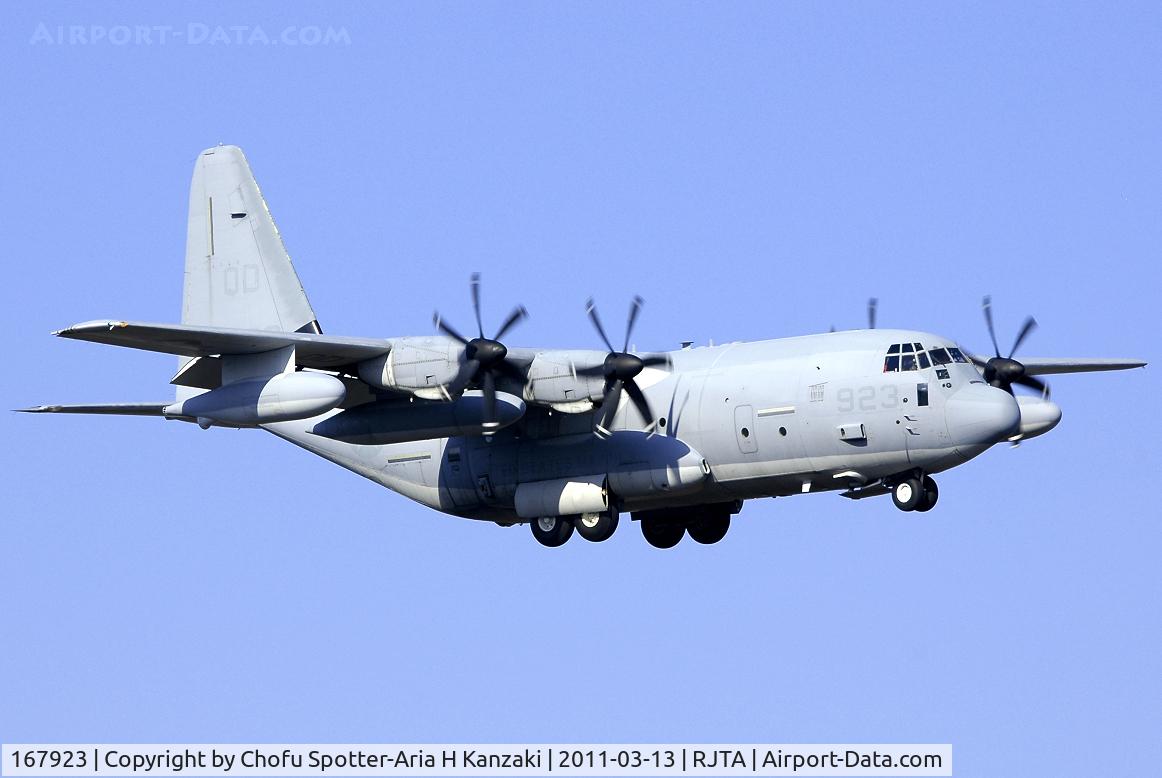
1003,372
620,369
872,304
485,359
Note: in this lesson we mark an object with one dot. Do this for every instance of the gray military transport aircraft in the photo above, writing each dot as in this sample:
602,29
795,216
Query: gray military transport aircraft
568,440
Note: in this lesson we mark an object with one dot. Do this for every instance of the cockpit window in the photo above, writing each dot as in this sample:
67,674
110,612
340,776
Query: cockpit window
956,355
905,356
939,356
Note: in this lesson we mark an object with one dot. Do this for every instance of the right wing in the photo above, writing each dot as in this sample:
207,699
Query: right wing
1048,366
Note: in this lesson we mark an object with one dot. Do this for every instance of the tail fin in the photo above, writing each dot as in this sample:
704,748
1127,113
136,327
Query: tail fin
238,273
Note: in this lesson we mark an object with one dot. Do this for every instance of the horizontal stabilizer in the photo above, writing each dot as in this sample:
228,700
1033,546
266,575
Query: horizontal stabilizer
112,409
311,350
1044,366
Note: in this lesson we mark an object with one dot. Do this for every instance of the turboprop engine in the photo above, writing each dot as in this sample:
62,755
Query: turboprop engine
1038,416
553,381
283,397
419,366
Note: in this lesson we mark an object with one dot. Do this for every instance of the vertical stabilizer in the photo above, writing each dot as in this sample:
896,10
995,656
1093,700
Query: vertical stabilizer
238,273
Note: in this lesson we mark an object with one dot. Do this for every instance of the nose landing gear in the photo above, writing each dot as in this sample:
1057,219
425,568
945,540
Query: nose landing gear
915,493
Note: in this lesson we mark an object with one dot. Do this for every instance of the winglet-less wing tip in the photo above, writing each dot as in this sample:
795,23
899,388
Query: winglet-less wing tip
96,325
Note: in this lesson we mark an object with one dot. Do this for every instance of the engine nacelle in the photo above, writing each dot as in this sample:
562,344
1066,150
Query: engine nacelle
419,366
1038,416
283,397
553,381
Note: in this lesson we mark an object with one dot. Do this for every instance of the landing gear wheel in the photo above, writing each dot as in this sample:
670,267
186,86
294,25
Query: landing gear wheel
931,495
552,531
596,527
662,534
710,529
907,494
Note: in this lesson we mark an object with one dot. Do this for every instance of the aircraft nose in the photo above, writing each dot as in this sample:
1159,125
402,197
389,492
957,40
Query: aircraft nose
980,415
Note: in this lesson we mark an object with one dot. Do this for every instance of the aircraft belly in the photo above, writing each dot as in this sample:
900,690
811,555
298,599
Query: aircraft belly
414,470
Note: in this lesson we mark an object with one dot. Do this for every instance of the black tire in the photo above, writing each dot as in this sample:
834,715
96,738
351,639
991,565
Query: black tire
596,527
709,529
931,495
661,533
907,494
552,531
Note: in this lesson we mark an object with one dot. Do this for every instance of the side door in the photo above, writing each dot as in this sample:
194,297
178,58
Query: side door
744,429
921,401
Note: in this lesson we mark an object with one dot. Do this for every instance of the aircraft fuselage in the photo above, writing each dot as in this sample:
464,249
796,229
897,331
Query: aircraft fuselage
737,421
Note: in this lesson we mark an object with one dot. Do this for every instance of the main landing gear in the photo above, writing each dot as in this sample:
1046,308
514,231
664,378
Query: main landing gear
915,493
704,524
662,528
596,527
553,531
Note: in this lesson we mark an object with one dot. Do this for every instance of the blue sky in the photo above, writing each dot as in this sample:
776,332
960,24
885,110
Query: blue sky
753,171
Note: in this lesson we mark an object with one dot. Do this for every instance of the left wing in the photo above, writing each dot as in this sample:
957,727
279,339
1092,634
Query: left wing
311,350
112,409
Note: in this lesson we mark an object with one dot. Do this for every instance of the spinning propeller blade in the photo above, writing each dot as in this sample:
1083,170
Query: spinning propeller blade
1003,372
484,358
620,369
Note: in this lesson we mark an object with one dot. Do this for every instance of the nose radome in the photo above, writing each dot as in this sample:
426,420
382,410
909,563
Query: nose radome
979,414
